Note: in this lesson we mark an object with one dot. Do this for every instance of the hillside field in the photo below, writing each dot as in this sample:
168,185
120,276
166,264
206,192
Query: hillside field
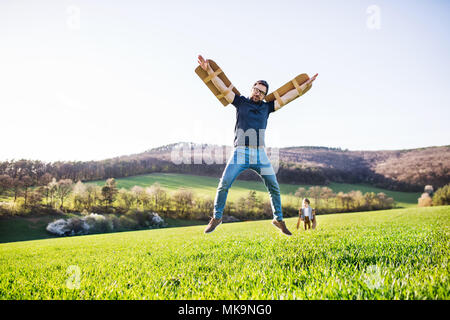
391,254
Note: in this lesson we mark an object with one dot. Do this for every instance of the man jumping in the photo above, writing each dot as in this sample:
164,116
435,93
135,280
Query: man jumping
249,144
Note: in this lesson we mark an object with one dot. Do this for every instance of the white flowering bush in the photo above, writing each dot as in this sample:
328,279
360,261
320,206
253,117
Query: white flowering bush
59,227
97,223
157,220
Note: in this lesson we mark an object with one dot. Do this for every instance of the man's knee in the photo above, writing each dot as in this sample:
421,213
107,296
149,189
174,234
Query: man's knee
272,184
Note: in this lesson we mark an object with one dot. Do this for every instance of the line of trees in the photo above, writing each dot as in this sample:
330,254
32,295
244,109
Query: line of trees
65,195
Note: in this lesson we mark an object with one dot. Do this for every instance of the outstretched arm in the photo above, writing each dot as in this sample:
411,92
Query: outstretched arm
291,95
218,83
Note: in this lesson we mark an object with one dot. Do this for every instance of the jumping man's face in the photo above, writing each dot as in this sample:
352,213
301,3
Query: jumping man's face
258,92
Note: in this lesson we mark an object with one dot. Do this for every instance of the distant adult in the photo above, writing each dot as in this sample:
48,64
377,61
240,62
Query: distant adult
249,146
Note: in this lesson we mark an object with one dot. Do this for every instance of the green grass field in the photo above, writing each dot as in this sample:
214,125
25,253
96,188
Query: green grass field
206,186
392,254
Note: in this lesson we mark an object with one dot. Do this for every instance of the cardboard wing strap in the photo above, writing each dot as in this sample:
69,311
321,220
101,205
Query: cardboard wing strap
219,73
291,85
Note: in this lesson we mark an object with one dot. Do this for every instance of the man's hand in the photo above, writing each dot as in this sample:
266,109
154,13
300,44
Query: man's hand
203,63
310,80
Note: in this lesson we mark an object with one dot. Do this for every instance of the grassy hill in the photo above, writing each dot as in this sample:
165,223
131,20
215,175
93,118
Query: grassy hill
392,254
206,186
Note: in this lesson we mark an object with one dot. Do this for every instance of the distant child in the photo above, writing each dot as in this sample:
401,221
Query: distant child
307,215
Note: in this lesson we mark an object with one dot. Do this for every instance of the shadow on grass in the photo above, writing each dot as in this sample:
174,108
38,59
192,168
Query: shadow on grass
13,229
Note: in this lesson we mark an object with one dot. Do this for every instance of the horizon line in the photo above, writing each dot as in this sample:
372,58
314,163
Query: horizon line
198,143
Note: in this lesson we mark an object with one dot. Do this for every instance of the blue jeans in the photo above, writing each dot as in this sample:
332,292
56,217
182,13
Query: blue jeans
248,158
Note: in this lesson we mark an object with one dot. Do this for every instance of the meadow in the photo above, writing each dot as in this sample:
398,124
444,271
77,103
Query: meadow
391,254
206,186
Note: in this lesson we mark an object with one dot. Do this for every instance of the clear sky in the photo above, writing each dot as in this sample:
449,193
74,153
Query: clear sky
89,80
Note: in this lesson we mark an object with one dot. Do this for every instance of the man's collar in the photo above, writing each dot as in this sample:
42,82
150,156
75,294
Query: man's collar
257,103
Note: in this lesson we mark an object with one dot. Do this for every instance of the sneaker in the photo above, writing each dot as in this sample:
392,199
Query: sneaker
282,226
212,225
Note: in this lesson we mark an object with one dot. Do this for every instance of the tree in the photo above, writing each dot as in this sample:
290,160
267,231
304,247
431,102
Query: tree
240,205
51,187
109,191
63,189
344,200
300,193
6,183
370,200
125,198
252,203
267,209
425,200
79,196
17,184
315,193
442,196
106,195
384,201
44,181
429,189
138,194
35,197
357,199
156,194
326,193
183,199
203,207
93,195
27,182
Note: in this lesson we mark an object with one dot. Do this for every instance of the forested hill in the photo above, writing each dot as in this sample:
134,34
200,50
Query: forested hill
409,169
405,170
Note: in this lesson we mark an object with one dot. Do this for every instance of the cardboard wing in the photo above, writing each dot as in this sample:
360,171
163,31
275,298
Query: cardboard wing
293,84
207,80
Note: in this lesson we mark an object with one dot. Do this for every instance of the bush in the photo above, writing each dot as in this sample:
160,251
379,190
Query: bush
425,200
442,196
157,220
115,222
77,226
127,222
97,223
141,217
14,208
6,208
59,227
